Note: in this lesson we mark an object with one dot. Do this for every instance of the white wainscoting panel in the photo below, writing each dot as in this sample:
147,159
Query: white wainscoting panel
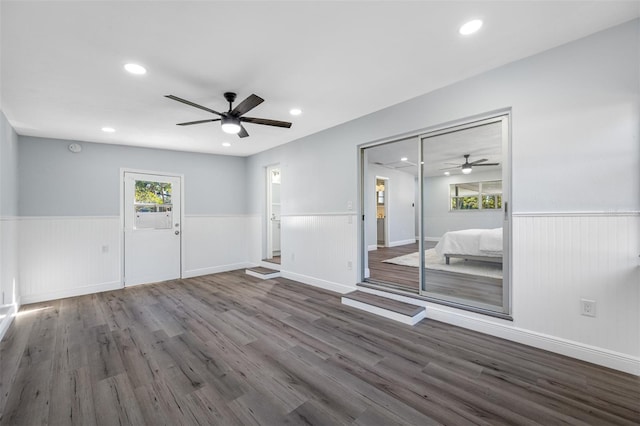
68,256
560,259
320,250
9,278
215,244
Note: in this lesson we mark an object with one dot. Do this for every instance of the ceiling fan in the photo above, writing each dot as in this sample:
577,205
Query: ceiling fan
467,166
232,120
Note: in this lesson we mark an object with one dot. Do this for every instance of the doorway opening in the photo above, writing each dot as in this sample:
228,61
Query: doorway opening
151,217
273,219
389,177
382,211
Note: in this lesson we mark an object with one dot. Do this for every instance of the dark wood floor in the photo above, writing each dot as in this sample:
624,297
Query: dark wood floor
274,259
461,288
232,349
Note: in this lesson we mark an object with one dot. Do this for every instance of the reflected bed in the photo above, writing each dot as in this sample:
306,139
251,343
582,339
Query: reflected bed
472,244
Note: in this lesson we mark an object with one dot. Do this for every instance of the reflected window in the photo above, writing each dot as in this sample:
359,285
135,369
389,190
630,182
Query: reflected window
476,195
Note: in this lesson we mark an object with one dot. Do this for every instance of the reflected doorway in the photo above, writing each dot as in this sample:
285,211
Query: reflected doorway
274,222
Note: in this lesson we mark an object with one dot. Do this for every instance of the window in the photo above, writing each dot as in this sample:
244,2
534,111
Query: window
476,195
153,208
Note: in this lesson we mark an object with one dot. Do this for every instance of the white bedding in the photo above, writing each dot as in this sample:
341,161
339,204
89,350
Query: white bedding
472,242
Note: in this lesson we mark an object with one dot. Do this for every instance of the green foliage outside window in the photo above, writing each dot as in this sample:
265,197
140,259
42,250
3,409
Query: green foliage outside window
476,195
153,192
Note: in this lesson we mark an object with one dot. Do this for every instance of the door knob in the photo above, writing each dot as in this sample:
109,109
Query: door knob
177,232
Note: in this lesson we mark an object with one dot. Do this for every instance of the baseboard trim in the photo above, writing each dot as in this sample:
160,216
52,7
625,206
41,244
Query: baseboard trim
217,269
402,242
615,360
327,285
6,322
505,330
372,247
77,291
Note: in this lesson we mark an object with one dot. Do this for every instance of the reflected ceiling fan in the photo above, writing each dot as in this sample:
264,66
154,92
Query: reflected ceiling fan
467,166
232,120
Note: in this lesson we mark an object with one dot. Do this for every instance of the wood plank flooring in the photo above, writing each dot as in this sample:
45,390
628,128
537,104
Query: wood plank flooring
230,349
449,285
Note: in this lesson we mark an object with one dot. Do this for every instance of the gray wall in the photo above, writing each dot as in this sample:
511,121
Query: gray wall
575,129
8,168
56,182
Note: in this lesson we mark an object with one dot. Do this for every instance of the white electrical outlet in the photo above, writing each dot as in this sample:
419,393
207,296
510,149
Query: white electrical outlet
349,265
105,249
588,307
349,205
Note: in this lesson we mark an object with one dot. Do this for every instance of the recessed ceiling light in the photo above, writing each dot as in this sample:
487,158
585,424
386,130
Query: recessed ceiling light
404,159
295,111
108,129
135,69
471,27
447,173
226,144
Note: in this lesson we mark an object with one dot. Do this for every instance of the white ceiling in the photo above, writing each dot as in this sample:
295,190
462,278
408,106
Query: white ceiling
62,75
444,151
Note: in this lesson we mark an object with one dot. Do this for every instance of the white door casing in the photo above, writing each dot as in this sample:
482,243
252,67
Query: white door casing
273,211
152,231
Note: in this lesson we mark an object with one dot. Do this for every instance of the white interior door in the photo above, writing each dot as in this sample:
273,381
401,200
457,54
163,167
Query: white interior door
152,228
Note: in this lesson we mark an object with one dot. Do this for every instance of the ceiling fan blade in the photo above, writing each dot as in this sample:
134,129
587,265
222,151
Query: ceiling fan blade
478,161
243,132
487,164
247,105
189,123
450,168
266,122
184,101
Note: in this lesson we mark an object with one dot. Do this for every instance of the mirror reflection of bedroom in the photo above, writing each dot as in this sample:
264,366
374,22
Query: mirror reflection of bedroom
462,210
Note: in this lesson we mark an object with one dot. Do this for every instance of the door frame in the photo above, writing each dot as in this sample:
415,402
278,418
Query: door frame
123,171
507,207
386,207
268,254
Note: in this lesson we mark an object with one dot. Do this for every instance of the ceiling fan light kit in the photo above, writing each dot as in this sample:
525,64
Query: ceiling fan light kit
231,125
232,120
467,167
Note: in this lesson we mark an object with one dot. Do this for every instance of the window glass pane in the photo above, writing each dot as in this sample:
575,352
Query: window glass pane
492,187
153,208
465,189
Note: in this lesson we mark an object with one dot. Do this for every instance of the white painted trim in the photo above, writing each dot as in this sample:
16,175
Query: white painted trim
77,291
372,247
349,213
8,320
576,214
316,282
262,276
405,319
618,361
216,269
505,330
401,242
215,216
26,218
